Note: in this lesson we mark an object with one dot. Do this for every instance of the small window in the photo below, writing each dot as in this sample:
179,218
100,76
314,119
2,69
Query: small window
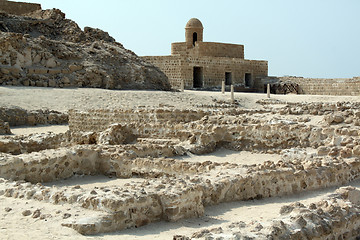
194,38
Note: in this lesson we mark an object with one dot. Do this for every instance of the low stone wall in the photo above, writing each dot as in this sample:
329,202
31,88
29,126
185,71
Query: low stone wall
232,130
168,197
18,116
323,86
335,217
101,119
33,142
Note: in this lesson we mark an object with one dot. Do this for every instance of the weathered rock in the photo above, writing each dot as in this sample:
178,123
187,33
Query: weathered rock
45,47
4,128
26,213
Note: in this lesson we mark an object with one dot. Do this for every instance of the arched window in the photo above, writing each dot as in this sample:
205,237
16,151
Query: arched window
194,38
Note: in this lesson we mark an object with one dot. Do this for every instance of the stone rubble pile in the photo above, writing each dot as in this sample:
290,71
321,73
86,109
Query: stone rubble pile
336,217
142,143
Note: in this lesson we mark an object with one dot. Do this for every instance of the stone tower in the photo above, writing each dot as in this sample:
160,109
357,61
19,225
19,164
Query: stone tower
193,32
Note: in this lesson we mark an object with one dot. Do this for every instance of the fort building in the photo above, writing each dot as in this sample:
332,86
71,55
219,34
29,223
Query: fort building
202,64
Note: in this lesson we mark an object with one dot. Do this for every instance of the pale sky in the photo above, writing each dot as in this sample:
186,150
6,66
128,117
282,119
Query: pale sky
309,38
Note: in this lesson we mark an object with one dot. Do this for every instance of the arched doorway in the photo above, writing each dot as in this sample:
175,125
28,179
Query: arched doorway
194,38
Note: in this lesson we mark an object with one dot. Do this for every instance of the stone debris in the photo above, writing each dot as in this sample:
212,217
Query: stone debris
26,213
337,216
4,128
143,142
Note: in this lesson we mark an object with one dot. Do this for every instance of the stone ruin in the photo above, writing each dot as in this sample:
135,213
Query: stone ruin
42,48
144,143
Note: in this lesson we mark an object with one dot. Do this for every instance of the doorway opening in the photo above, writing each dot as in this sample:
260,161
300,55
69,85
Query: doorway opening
194,38
228,78
248,80
198,77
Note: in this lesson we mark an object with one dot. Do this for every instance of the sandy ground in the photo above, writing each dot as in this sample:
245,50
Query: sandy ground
224,155
86,98
13,225
39,129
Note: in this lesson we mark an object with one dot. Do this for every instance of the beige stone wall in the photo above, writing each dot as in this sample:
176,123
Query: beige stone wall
183,198
210,49
217,62
168,65
99,120
330,86
179,68
18,8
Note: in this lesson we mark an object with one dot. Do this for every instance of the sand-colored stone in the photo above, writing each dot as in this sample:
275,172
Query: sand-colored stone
202,64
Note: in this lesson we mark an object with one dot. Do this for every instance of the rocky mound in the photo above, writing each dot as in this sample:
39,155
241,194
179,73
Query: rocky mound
47,50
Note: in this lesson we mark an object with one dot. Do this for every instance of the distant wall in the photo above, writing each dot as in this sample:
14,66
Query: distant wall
18,8
100,120
330,86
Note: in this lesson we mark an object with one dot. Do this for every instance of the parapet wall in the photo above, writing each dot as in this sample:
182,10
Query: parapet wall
327,86
209,49
18,8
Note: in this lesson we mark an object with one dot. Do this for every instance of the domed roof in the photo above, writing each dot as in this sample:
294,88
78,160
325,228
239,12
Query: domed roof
194,23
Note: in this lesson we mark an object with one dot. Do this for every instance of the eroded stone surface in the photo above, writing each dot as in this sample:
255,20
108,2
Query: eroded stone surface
142,142
45,49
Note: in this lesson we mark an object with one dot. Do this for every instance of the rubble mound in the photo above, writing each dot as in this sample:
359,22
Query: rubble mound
45,49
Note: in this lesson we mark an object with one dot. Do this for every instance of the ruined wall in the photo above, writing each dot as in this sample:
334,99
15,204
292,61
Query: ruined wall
180,68
210,49
18,8
327,86
181,198
18,117
99,120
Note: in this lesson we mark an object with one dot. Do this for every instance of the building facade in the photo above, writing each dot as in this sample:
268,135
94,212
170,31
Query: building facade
206,64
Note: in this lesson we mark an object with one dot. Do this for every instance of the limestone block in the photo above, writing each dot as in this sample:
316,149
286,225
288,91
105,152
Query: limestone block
37,59
4,128
51,63
52,83
54,71
5,71
27,57
66,80
356,150
26,83
39,70
74,68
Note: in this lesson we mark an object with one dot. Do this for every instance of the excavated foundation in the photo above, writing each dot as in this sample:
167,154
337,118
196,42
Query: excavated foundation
139,152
